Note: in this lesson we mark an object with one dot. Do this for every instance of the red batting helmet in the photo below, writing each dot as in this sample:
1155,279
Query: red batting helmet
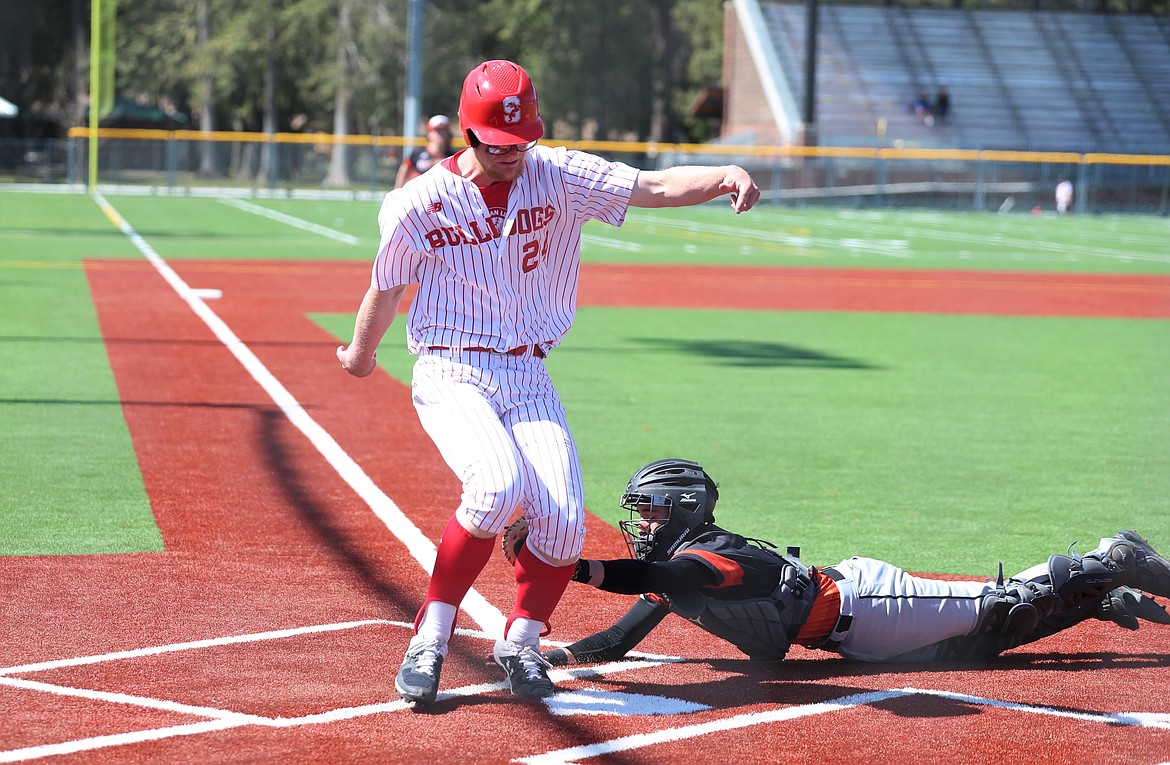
499,105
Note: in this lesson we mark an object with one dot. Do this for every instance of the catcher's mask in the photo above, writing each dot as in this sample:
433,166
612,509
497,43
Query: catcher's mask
668,501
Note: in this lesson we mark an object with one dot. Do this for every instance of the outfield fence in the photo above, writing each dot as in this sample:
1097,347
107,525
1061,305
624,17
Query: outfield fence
186,161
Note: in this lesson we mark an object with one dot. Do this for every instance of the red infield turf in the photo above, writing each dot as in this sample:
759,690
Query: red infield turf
271,627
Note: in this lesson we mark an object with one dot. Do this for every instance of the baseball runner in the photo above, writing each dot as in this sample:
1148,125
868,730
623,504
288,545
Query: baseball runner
492,237
745,592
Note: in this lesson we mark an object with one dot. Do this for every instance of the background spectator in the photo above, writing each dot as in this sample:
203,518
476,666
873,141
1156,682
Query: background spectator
942,103
923,109
1064,195
438,146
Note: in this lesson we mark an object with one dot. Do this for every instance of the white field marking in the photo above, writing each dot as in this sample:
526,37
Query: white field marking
571,755
290,220
1138,719
423,549
891,246
774,239
254,637
223,719
595,701
349,713
715,232
208,294
613,244
950,234
668,735
192,644
132,700
116,739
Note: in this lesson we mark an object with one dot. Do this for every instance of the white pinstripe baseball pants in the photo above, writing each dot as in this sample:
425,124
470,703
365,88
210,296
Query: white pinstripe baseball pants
499,424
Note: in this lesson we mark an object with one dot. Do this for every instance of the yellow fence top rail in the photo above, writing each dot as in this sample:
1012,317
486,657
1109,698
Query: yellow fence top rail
652,148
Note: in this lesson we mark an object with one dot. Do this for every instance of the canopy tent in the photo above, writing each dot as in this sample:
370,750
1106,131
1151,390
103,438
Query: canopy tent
127,113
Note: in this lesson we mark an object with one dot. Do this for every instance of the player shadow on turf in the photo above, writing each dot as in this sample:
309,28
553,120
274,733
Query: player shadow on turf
1070,662
728,684
836,668
274,441
751,353
728,691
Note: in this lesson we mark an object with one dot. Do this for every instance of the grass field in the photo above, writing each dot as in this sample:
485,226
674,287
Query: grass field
933,440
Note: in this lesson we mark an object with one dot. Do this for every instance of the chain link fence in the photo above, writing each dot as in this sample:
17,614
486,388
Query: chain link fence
190,162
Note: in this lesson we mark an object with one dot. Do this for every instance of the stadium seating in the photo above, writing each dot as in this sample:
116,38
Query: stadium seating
1031,80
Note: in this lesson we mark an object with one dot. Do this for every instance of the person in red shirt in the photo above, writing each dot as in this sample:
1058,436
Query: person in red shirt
438,147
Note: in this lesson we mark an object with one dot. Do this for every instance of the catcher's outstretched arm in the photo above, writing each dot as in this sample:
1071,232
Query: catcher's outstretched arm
613,643
635,577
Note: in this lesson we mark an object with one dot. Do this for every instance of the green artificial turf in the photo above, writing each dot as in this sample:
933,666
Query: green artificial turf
212,229
943,443
71,483
885,239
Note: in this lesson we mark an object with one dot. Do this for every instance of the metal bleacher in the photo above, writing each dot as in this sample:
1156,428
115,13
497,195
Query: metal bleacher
1027,80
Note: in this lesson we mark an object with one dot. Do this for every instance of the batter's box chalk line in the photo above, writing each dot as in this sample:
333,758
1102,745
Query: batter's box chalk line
573,755
214,719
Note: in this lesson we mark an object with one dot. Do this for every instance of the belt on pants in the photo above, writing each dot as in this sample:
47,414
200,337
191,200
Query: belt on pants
844,621
520,350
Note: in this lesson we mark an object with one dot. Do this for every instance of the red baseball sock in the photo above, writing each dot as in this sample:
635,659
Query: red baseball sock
458,561
539,588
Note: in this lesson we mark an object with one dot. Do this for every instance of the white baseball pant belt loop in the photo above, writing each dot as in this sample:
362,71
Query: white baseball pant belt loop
845,620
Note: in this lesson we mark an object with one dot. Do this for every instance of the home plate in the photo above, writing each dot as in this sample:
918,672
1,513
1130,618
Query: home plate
593,701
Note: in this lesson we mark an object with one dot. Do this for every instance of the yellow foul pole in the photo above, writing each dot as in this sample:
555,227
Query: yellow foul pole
102,63
95,88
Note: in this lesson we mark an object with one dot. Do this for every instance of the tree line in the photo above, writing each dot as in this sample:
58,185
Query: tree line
603,68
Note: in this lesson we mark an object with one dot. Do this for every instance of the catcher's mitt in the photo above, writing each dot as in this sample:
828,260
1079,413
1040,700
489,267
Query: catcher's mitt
513,539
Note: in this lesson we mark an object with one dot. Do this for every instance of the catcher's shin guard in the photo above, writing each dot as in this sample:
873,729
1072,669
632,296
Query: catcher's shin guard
1017,606
1081,579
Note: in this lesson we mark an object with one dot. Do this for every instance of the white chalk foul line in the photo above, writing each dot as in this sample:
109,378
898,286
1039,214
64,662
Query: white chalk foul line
129,699
116,739
136,653
1139,719
574,754
290,220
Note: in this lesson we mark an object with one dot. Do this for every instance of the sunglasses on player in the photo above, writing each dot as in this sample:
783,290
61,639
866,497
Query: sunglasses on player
498,150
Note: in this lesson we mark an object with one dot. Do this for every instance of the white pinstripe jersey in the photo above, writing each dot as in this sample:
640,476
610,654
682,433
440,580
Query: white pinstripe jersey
497,278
